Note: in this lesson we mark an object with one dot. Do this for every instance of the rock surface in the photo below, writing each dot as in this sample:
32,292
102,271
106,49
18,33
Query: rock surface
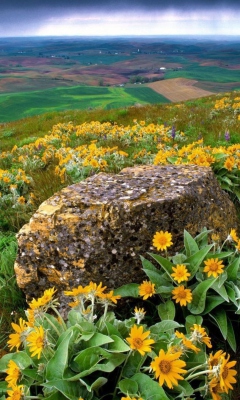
97,229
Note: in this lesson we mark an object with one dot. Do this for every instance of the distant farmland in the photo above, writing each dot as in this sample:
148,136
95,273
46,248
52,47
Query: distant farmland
179,89
14,106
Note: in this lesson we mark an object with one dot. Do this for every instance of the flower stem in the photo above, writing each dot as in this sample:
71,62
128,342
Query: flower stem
60,318
208,371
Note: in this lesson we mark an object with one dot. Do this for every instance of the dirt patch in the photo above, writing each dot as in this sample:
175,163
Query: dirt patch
179,89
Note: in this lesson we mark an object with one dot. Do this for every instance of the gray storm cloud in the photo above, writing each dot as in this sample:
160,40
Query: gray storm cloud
114,4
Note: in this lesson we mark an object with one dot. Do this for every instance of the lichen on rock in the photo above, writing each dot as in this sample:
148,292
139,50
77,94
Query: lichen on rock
98,228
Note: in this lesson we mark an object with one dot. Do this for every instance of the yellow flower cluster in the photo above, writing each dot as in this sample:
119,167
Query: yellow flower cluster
198,154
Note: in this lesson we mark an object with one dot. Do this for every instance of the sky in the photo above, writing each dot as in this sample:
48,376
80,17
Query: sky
119,17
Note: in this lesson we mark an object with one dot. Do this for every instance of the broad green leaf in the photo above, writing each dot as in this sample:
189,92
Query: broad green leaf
164,326
196,259
128,387
184,387
31,373
196,359
165,264
191,320
56,366
157,278
231,339
117,345
190,245
202,237
221,256
232,269
110,330
71,390
96,359
231,294
129,290
220,290
3,387
220,317
55,396
179,258
166,310
221,279
99,382
98,339
148,388
133,365
197,305
147,264
89,358
212,302
164,289
20,358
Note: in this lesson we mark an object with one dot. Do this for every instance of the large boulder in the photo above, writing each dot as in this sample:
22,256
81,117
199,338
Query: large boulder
97,229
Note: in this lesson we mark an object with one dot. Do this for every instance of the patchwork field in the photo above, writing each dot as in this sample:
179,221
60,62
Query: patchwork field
36,74
16,106
179,89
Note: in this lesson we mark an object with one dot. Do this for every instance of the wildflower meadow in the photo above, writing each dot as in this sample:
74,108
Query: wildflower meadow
178,336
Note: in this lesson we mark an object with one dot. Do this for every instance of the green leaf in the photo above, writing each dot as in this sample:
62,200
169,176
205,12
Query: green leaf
232,269
184,387
231,294
133,364
220,317
20,358
212,302
148,388
191,320
190,245
55,396
128,387
194,360
199,296
99,382
178,258
164,290
98,339
166,310
195,260
118,345
165,264
129,290
71,390
95,359
56,366
147,264
202,237
164,326
231,339
220,290
222,255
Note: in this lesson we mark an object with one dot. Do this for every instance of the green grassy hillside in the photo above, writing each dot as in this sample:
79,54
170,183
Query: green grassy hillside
14,106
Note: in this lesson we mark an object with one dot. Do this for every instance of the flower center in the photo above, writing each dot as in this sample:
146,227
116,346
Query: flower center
162,241
182,294
165,366
137,342
39,342
225,372
214,266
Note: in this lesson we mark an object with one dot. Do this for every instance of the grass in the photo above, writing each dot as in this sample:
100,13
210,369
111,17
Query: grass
25,104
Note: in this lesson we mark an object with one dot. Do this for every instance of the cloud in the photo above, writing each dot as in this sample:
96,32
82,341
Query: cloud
111,17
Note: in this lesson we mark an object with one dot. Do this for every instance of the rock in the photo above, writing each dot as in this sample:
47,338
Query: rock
97,229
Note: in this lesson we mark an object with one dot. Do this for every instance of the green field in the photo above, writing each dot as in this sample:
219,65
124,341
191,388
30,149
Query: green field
211,74
14,106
